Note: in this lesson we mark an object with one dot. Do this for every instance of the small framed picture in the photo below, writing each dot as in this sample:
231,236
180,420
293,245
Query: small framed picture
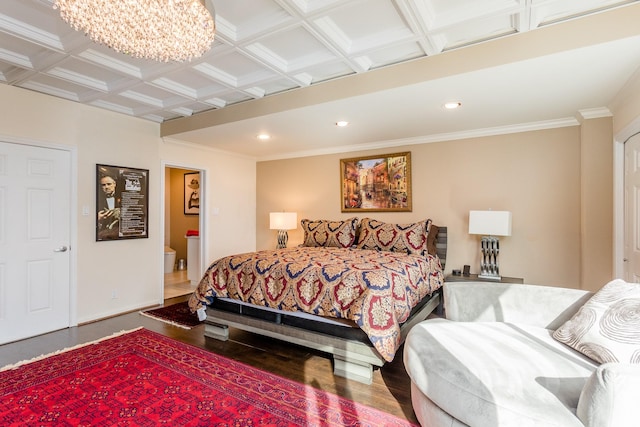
376,183
192,193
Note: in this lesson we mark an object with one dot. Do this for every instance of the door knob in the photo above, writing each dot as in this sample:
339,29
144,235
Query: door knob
61,249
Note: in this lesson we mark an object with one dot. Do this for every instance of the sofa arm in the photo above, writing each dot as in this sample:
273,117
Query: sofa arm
543,306
610,397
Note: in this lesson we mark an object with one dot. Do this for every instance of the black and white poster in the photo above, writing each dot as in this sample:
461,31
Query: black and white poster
122,203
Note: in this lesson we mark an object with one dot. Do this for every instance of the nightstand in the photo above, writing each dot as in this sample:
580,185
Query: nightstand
475,278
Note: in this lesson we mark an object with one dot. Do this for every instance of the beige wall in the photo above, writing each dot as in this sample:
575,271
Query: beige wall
537,176
626,123
228,196
127,268
596,202
626,105
132,268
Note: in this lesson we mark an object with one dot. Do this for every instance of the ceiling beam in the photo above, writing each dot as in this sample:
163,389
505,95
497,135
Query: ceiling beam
581,32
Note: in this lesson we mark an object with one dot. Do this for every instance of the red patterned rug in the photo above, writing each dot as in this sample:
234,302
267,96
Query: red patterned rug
142,378
177,314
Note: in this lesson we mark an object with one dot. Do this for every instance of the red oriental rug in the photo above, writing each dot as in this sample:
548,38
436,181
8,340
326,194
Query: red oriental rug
142,378
177,314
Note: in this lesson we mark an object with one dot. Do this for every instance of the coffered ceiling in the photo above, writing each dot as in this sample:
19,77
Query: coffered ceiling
292,68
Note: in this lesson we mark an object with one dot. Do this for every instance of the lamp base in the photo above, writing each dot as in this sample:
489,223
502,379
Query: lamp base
490,247
282,239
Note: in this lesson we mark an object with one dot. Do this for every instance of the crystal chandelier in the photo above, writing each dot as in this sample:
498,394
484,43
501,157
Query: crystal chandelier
162,30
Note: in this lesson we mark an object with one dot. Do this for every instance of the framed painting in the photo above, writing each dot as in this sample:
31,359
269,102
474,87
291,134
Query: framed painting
379,183
192,193
122,203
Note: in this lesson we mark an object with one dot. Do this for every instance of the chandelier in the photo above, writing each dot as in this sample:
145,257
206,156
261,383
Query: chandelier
162,30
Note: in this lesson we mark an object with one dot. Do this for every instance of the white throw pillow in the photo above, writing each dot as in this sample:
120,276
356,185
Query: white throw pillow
607,327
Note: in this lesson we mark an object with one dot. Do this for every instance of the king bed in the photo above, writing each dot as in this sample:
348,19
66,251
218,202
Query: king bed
352,288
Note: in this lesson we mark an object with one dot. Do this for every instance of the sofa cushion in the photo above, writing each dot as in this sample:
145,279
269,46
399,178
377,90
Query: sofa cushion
610,397
428,413
607,327
487,374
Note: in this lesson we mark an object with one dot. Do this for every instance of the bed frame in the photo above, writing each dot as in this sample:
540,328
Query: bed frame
353,354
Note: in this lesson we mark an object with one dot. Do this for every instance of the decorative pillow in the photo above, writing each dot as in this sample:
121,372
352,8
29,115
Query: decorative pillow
382,236
607,327
339,234
431,240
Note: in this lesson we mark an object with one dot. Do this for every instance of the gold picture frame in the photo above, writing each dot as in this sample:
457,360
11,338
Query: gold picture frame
380,183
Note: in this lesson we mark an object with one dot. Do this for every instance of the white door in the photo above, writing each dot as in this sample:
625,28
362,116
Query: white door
632,209
34,240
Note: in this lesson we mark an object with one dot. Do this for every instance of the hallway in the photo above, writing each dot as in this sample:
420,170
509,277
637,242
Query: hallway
176,284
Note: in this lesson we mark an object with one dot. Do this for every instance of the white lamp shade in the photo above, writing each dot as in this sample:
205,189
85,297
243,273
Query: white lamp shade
490,223
283,220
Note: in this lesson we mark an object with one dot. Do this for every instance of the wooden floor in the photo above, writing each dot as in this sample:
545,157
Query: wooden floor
176,284
390,391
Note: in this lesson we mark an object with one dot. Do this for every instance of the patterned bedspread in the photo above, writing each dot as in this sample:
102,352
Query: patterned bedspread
375,289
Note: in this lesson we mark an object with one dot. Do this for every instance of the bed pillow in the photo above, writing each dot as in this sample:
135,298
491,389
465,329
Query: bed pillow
431,240
607,327
324,233
405,238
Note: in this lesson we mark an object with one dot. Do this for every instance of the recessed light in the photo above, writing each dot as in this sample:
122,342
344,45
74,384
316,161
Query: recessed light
342,123
452,105
264,136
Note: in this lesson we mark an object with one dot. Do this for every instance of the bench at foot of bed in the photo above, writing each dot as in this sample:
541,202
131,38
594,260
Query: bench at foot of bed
352,359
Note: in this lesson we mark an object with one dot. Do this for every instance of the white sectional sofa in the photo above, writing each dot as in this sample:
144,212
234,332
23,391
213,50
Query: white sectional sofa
494,362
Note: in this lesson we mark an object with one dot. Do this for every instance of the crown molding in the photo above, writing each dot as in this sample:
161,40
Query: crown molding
428,139
594,113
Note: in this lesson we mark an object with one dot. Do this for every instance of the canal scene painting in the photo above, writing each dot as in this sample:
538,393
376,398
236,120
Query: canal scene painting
379,183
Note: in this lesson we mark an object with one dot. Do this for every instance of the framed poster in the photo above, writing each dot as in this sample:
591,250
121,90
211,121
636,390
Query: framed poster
379,183
122,203
192,193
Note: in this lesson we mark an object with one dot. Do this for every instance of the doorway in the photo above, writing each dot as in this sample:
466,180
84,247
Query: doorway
182,225
632,209
35,237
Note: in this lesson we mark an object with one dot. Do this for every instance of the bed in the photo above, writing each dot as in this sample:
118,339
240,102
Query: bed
352,289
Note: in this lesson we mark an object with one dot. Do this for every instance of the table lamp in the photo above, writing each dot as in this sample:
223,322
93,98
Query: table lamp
283,221
490,224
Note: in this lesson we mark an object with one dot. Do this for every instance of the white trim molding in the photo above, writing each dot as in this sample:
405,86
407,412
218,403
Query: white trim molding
618,195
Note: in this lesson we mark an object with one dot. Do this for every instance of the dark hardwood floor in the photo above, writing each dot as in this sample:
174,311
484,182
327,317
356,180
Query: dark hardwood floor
390,391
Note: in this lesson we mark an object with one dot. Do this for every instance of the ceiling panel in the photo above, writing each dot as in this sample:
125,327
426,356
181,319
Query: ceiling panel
549,11
263,48
242,20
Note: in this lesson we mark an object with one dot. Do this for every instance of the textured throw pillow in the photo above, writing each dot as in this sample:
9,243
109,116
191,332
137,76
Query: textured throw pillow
607,327
405,238
339,234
